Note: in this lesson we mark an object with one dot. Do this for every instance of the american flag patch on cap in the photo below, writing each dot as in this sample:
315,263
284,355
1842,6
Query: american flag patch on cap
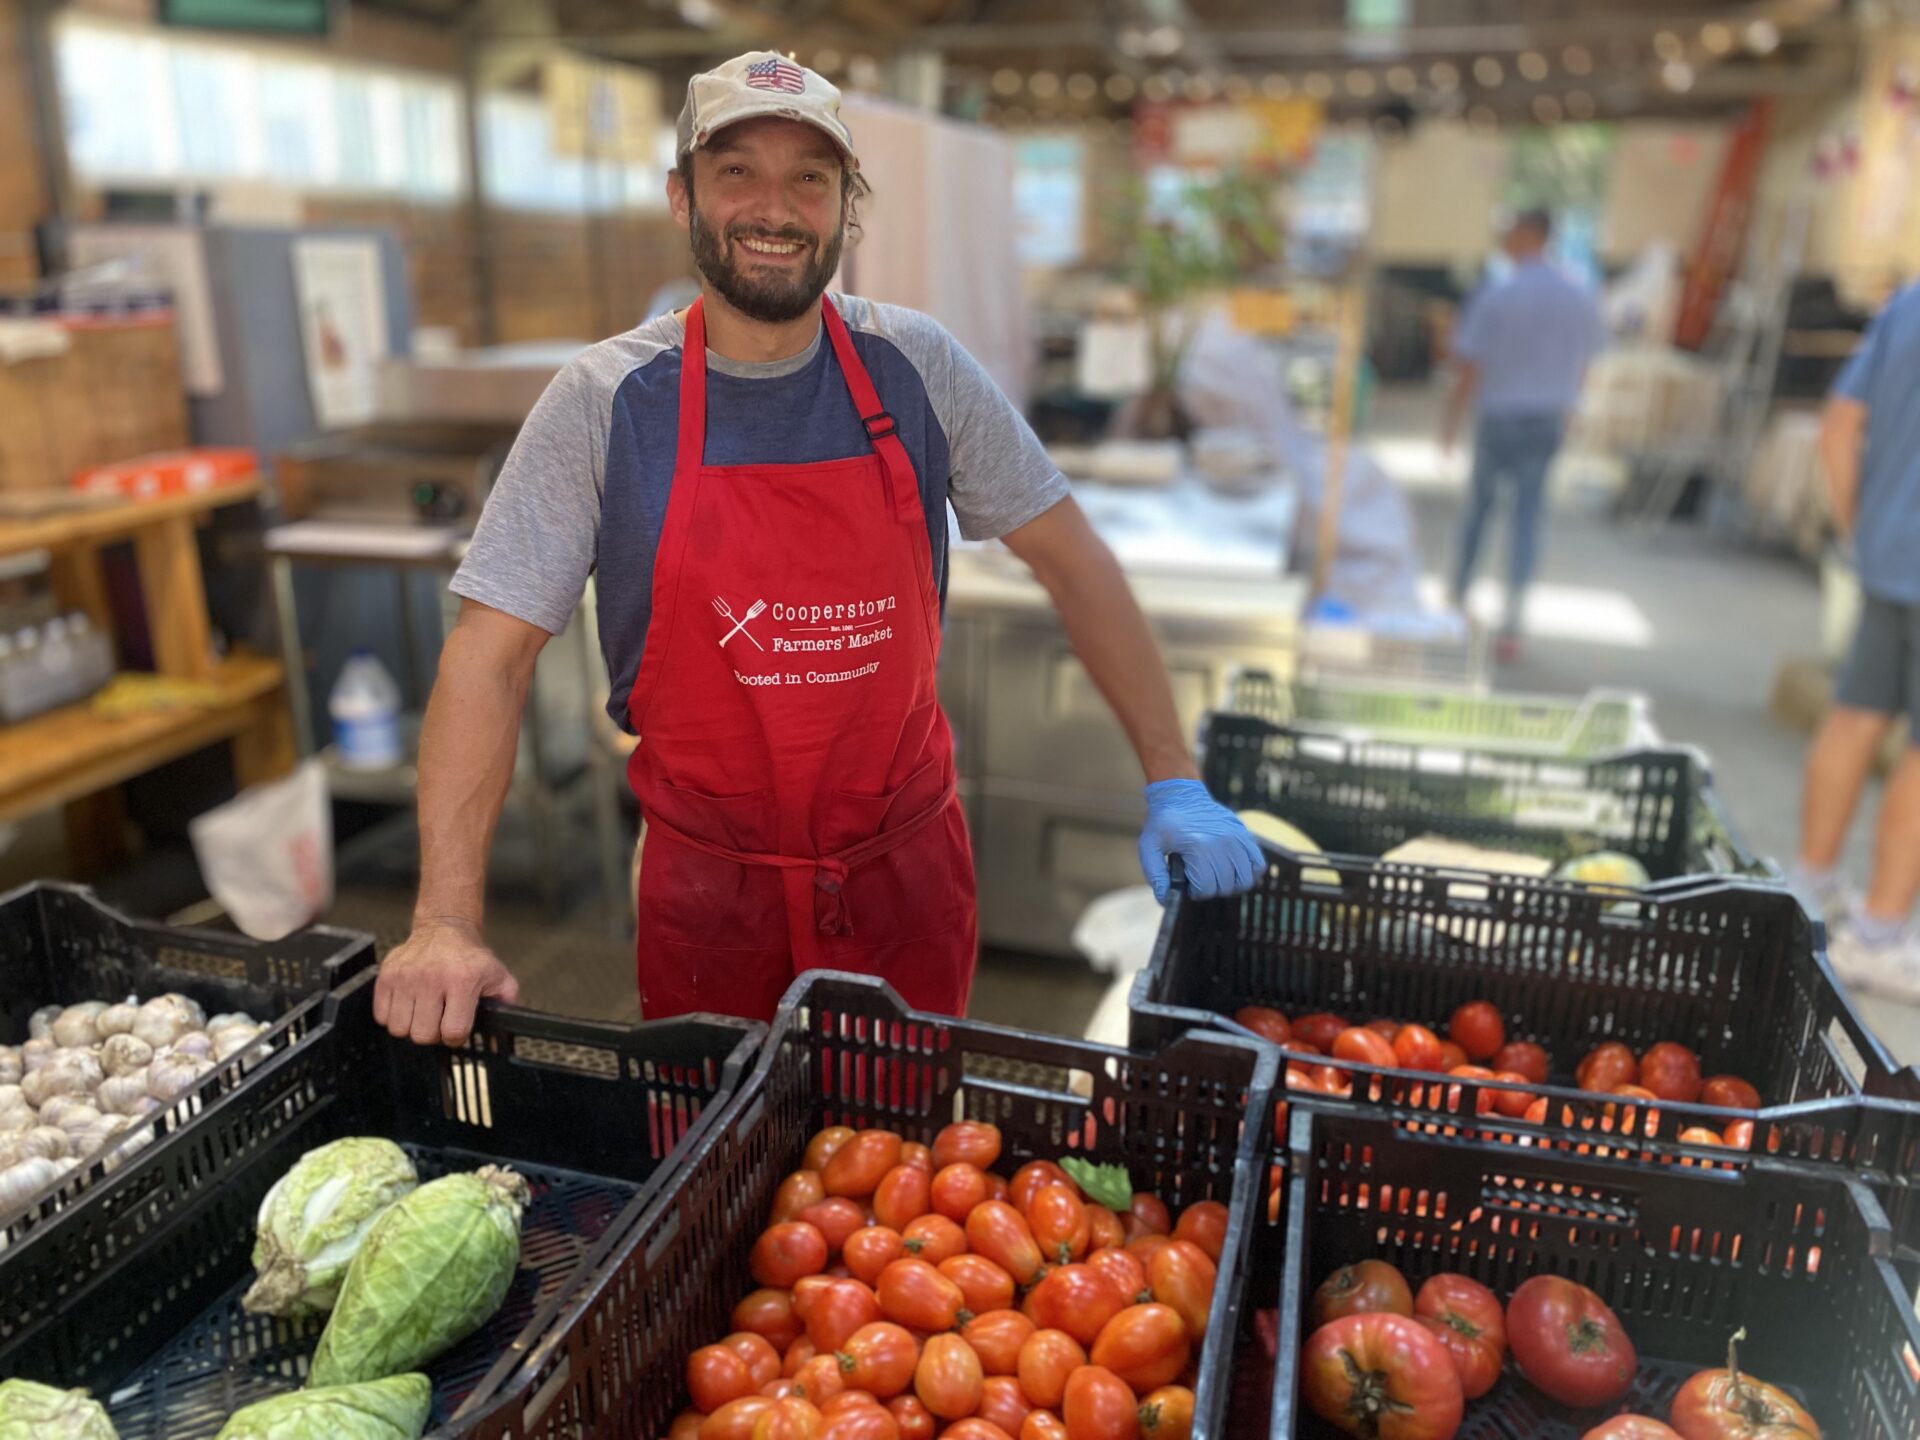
776,74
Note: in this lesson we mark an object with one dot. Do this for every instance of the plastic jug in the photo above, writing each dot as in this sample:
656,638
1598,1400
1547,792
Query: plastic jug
365,708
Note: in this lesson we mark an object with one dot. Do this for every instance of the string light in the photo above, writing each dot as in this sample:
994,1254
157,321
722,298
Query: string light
1236,87
1547,110
1007,82
1199,88
826,61
1361,84
1763,37
1157,88
1082,87
1402,81
1677,76
1578,60
1716,37
1120,88
1444,75
1319,85
1043,84
1533,66
1489,71
1669,46
1276,86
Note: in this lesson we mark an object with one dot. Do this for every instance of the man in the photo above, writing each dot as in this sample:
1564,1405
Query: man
761,483
1520,353
1870,443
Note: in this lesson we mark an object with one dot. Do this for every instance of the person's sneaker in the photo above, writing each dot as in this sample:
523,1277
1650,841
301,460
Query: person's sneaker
1830,899
1890,968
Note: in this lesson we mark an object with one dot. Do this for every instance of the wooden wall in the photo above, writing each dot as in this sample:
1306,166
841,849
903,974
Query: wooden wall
23,189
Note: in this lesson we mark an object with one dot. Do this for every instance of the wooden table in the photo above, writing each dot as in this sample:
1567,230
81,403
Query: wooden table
75,757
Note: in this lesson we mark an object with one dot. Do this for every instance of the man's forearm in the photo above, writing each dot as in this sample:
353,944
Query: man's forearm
1842,429
467,748
1459,398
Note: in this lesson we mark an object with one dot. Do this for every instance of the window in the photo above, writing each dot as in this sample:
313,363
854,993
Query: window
1049,200
146,106
522,169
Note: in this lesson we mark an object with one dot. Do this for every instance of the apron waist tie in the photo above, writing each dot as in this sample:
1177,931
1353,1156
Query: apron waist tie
807,919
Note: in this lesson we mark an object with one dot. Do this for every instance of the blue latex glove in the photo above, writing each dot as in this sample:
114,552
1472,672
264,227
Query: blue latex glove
1220,854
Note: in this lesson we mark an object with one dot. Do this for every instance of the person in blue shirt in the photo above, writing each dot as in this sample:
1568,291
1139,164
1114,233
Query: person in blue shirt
1870,443
1520,353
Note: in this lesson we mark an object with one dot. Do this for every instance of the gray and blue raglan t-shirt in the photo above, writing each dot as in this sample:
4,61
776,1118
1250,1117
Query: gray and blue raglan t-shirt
584,491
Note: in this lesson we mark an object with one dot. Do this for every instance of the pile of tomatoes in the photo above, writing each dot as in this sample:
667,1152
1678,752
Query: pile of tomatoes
1476,1047
1382,1360
909,1292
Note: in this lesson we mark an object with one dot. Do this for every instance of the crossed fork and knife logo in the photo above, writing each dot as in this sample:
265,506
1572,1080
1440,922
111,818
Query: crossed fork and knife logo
725,612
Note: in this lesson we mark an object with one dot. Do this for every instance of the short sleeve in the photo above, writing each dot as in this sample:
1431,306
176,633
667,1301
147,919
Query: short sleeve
1000,475
535,544
1470,335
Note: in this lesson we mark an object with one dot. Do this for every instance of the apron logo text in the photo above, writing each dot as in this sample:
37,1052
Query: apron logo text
811,677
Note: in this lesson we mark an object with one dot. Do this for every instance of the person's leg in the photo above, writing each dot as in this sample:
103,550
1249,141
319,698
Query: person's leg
1896,850
1533,459
1841,756
1488,461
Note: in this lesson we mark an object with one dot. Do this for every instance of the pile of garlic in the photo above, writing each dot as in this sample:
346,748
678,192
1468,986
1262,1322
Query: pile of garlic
91,1075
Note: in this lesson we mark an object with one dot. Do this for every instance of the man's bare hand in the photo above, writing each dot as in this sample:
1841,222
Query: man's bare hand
430,988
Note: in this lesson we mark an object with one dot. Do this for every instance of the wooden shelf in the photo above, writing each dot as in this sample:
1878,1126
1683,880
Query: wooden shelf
102,524
71,752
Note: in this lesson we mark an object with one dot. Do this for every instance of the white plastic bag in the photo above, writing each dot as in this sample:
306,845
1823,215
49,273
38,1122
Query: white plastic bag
267,854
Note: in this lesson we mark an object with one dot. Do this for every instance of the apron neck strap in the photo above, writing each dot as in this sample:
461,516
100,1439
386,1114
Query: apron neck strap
691,451
881,430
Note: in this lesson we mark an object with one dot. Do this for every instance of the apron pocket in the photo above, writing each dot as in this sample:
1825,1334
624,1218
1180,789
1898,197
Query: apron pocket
738,822
858,817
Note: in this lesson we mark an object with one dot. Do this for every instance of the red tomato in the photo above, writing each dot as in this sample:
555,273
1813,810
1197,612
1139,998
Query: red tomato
835,1219
1107,1229
1568,1343
914,1294
846,1400
985,1286
1416,1048
1353,1369
806,1290
1167,1414
1145,1345
919,1156
1606,1066
1001,1233
1319,1030
968,1142
1033,1177
789,1419
763,1361
1046,1360
1384,1028
1099,1405
879,1359
786,1252
1672,1072
934,1238
1729,1092
842,1308
821,1148
686,1425
769,1313
1466,1318
1523,1057
948,1378
1510,1103
916,1422
1631,1427
1205,1224
821,1378
1730,1405
1077,1299
861,1422
1476,1027
1267,1023
1738,1135
716,1376
1058,1219
996,1187
1363,1047
1043,1425
996,1338
1144,1247
858,1167
1147,1216
798,1354
974,1428
1451,1056
735,1419
1004,1403
799,1190
870,1249
957,1189
1182,1275
1367,1287
1128,1275
905,1194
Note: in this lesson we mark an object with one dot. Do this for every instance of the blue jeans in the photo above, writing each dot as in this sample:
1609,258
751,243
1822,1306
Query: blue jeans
1516,449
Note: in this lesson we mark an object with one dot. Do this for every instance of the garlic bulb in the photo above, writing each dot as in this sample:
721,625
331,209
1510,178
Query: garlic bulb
222,1021
72,1072
12,1067
144,1107
56,1110
37,1052
116,1019
122,1054
161,1021
94,1138
235,1038
76,1119
24,1179
197,1043
191,1008
49,1141
74,1025
10,1098
118,1094
170,1077
40,1023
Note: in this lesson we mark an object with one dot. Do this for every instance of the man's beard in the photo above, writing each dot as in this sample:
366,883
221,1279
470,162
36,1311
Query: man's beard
765,293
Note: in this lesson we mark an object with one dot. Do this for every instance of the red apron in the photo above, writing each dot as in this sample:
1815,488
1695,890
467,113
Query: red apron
795,769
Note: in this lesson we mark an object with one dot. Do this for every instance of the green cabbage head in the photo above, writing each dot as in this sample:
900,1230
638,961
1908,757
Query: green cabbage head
315,1219
432,1271
40,1412
391,1409
1604,867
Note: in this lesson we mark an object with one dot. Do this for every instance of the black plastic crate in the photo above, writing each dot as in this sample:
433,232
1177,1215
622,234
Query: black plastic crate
1735,970
595,1116
1192,1121
1803,1259
60,944
1365,797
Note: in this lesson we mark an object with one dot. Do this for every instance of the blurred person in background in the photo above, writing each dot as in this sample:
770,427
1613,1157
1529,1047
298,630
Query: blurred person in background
1870,443
761,483
1520,353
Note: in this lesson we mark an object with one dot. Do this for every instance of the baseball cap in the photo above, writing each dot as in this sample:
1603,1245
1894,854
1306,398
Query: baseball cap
761,82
